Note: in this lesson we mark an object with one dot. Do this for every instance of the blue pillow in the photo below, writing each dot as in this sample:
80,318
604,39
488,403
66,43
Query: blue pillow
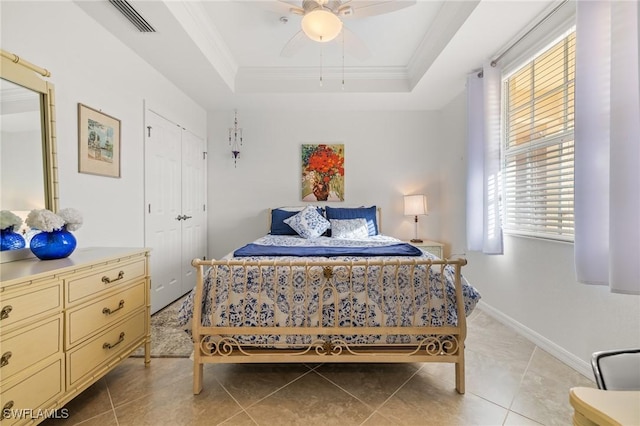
278,227
278,216
368,213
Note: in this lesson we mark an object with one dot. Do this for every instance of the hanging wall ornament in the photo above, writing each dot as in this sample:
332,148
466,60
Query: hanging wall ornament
235,139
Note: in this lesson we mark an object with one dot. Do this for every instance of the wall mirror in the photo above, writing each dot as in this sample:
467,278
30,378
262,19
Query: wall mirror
28,167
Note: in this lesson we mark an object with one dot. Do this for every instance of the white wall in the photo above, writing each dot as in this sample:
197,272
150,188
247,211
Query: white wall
387,154
533,285
92,67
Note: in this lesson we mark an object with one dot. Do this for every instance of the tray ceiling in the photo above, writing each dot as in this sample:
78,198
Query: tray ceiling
227,54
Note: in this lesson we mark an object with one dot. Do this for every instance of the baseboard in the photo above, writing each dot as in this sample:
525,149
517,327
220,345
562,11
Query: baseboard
542,342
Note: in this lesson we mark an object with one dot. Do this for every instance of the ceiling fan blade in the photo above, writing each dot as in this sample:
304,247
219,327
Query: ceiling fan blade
353,45
282,7
294,6
291,3
359,9
294,45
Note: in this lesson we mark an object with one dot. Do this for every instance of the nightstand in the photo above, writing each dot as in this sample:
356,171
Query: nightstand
433,247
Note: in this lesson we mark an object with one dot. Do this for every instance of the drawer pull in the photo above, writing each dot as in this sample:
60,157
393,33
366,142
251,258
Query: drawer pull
108,280
6,410
108,311
4,314
5,358
111,346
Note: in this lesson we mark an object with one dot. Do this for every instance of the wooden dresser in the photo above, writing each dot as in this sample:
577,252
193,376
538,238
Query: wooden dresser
65,323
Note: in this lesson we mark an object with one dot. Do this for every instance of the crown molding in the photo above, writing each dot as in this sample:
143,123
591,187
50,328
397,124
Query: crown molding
302,73
18,100
450,18
19,93
307,79
191,16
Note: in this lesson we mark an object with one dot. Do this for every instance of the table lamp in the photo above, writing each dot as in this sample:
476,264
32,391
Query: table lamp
415,205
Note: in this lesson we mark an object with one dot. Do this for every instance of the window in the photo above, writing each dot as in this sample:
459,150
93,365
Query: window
538,144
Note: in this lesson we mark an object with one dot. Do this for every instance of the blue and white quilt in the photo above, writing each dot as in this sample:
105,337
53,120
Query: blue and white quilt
281,296
288,245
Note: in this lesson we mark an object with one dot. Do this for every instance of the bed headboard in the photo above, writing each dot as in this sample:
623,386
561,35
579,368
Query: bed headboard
298,208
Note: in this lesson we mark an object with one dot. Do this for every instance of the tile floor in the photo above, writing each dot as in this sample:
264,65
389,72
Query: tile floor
509,381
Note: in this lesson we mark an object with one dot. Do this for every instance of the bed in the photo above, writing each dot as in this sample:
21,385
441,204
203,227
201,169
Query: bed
353,295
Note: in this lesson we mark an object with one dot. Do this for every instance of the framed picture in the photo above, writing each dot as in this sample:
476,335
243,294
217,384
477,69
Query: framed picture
98,143
322,172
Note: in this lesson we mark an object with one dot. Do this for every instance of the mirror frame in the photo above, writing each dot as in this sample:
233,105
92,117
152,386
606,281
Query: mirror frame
25,74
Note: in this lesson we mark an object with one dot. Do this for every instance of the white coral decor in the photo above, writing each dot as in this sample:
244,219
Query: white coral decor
44,220
72,218
9,219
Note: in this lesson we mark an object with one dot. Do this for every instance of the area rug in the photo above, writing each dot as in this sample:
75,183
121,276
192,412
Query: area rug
168,339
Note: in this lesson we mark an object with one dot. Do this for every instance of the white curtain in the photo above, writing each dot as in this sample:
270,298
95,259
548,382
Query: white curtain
607,145
484,223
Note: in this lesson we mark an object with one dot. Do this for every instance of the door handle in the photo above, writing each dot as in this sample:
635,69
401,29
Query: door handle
185,217
179,217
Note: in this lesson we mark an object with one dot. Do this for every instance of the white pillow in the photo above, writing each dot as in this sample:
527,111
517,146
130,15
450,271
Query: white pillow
349,229
308,223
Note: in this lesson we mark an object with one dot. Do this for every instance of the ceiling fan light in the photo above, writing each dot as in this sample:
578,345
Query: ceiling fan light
321,25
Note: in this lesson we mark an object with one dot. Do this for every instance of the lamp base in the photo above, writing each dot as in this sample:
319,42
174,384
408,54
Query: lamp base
416,240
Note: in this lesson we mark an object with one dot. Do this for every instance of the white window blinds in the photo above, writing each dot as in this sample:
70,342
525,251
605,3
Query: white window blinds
538,144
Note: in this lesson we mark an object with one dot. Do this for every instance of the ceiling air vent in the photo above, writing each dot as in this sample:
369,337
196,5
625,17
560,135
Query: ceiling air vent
132,15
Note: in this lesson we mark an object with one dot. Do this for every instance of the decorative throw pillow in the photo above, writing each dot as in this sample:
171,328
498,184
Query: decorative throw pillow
368,213
349,229
278,215
308,223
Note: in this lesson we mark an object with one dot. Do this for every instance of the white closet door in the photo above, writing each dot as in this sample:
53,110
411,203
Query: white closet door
193,206
162,208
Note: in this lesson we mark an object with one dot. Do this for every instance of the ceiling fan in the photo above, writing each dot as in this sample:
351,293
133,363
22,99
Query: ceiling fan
322,22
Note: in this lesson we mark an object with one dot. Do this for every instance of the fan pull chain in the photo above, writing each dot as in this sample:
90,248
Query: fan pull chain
343,59
320,61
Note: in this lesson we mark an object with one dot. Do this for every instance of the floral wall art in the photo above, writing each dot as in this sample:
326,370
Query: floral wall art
323,172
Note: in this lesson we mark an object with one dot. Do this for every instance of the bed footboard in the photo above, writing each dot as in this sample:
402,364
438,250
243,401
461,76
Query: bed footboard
410,310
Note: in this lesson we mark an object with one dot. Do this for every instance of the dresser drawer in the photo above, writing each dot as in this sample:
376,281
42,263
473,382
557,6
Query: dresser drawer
30,304
82,286
28,345
104,347
33,392
99,314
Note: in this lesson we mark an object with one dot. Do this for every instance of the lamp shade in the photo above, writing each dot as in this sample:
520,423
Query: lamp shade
321,25
415,205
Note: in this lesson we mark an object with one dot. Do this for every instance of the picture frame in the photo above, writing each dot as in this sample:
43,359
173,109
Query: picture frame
322,172
98,142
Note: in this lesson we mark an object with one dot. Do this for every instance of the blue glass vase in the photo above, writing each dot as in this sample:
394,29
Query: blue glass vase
11,240
57,244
